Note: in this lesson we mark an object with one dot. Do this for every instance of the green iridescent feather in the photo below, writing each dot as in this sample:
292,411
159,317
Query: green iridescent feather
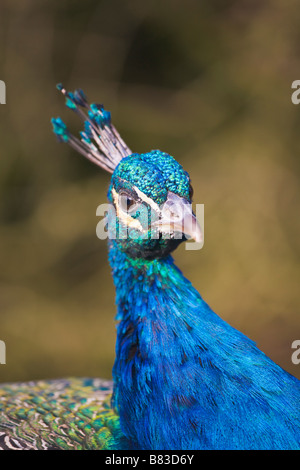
59,414
183,378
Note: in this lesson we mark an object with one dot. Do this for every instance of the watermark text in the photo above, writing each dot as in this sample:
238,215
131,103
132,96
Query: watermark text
296,94
143,223
2,92
296,353
2,352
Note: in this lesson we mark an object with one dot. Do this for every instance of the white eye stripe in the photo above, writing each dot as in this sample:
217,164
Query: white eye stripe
115,196
147,199
126,218
143,197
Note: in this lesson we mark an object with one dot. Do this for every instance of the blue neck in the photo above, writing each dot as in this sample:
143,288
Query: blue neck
185,379
162,322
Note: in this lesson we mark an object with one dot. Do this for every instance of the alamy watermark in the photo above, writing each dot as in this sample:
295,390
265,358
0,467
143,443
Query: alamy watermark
296,94
2,92
2,352
296,353
143,222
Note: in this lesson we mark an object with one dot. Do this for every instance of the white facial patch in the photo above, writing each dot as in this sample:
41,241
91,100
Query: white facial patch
124,216
147,199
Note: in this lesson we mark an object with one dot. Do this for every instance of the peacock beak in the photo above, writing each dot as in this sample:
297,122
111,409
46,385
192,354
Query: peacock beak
177,216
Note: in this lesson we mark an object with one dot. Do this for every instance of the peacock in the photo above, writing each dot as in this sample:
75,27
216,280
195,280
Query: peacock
183,378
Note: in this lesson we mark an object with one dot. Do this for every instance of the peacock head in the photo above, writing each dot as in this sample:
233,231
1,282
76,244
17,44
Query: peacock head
150,194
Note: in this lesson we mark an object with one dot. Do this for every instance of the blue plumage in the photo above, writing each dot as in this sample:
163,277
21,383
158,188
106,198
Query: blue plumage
183,378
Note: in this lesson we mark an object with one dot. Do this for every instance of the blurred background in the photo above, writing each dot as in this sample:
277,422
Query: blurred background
207,81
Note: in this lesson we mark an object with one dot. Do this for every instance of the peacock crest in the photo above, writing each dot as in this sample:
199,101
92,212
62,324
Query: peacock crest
182,378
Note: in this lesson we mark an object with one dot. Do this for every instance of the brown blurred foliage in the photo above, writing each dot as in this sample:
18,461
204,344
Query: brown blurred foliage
207,81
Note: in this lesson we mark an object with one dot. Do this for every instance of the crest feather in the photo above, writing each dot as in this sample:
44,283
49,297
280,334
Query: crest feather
100,141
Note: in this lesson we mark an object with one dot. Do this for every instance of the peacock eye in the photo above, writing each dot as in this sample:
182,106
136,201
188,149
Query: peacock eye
126,202
191,192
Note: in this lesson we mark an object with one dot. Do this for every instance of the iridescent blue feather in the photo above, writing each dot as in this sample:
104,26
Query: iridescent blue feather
183,378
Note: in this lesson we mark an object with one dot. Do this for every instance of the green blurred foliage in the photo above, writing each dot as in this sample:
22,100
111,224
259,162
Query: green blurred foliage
207,81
